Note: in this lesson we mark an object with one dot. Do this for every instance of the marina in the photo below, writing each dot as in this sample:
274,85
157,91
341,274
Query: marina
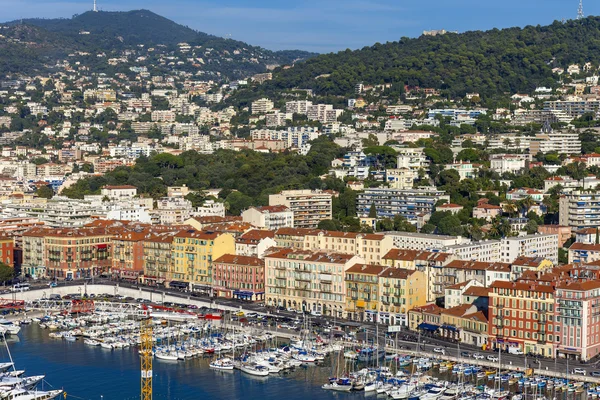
207,354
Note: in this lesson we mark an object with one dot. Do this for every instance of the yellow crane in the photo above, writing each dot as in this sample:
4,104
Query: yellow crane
146,357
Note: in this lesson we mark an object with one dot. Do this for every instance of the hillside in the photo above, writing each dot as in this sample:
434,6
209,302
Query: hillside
491,62
46,41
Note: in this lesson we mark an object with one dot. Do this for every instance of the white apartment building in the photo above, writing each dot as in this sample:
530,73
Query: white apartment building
278,119
569,184
579,209
298,106
537,245
423,241
466,170
309,207
560,142
123,192
502,163
262,106
294,136
401,178
210,208
485,251
412,158
163,116
269,217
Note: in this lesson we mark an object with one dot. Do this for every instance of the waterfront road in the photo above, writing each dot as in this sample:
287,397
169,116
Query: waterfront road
363,330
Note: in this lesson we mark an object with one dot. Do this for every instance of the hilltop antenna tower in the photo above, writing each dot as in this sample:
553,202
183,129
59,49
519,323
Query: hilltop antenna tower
580,10
95,7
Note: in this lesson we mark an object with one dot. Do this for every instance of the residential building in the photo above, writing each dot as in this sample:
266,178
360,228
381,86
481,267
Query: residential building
569,184
485,250
74,253
431,263
400,178
426,318
466,170
291,238
124,192
587,235
262,106
370,247
383,294
522,315
7,249
559,142
158,258
536,245
583,253
502,163
308,281
424,241
453,294
255,243
33,245
309,207
239,277
577,322
128,255
563,232
486,211
210,208
269,217
465,323
580,209
450,207
408,203
535,264
193,255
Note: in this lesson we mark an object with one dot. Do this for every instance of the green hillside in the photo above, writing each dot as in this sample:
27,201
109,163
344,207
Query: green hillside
491,62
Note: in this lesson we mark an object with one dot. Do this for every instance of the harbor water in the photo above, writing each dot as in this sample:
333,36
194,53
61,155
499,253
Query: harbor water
92,372
87,372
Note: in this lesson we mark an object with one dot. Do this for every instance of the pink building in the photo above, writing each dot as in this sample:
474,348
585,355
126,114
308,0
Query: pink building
577,319
239,277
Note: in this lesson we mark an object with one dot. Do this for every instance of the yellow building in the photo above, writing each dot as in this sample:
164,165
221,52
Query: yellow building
384,294
430,263
466,323
522,264
362,291
193,255
400,290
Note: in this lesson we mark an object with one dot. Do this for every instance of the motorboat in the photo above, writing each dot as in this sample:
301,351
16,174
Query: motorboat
253,369
222,364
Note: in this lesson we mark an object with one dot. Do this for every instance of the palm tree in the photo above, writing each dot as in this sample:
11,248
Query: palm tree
526,204
510,208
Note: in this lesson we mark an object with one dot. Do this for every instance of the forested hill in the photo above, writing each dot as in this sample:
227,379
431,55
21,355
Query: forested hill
45,41
491,62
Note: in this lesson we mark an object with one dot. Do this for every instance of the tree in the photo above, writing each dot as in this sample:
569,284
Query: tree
328,225
531,227
45,192
7,273
450,225
373,211
401,224
428,228
237,202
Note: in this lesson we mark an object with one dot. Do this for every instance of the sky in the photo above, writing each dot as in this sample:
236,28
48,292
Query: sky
321,25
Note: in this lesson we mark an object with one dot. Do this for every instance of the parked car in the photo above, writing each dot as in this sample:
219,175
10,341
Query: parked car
439,350
478,356
52,284
595,374
317,313
579,371
465,354
492,358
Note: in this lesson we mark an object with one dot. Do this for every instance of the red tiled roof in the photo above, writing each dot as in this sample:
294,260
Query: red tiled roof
240,260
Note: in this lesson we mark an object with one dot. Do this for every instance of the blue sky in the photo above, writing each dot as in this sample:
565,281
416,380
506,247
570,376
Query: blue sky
321,25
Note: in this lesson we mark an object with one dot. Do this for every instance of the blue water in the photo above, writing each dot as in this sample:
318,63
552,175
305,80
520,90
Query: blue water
86,372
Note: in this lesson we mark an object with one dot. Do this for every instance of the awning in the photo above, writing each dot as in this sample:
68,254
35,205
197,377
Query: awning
449,327
101,246
565,351
428,327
